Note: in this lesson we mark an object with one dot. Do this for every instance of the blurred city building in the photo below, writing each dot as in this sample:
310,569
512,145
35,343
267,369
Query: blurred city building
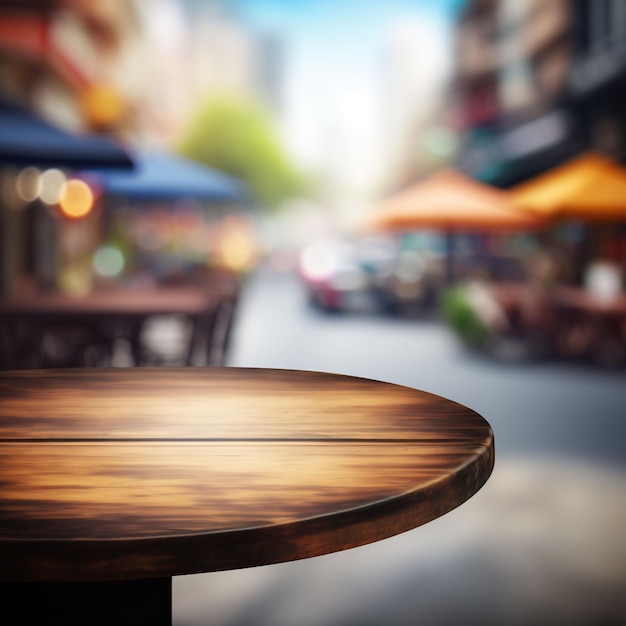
536,83
79,64
225,55
132,69
597,79
417,72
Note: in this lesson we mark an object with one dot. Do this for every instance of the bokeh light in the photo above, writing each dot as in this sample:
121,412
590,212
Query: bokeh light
76,199
237,251
52,182
108,261
28,184
319,260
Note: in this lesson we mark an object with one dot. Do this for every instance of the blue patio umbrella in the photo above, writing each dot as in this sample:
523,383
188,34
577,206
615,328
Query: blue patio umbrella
26,139
166,176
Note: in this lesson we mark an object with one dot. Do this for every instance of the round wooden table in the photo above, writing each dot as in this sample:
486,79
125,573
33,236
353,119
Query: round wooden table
115,480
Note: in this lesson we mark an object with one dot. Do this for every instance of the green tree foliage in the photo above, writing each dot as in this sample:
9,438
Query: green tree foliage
236,137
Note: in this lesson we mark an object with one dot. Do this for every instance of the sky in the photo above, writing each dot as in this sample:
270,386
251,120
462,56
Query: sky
334,56
355,75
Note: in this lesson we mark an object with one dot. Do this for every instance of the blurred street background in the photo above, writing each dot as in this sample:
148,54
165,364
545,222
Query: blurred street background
427,193
541,543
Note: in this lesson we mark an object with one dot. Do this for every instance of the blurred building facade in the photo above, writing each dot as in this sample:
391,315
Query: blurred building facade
415,74
132,69
79,64
597,80
225,56
538,81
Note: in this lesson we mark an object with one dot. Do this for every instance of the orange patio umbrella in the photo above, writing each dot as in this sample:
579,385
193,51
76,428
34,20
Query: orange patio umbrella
590,188
453,202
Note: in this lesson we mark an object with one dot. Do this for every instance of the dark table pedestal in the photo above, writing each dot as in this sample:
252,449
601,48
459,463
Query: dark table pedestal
118,603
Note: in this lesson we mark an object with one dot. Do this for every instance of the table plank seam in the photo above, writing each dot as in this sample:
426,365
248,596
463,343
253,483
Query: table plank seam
276,440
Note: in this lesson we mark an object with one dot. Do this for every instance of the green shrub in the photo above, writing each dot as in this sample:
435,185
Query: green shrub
459,313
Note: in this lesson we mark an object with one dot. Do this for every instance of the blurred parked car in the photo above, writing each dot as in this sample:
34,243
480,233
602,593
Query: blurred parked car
370,274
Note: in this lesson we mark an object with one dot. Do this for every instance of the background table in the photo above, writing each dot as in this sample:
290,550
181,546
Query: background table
85,325
115,480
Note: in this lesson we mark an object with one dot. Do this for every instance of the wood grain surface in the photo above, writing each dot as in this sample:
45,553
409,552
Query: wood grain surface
117,474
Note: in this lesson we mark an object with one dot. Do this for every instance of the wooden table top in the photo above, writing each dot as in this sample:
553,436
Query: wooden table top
510,295
589,302
127,302
117,474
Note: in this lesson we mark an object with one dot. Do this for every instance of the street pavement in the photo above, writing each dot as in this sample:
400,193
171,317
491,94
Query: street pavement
542,543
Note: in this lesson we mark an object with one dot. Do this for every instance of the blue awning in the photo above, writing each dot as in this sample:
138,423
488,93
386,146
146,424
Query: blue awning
26,139
163,176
